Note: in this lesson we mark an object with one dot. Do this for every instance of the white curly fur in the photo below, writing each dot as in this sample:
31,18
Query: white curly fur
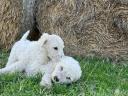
30,55
66,71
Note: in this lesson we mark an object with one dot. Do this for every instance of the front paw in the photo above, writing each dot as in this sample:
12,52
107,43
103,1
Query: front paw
46,84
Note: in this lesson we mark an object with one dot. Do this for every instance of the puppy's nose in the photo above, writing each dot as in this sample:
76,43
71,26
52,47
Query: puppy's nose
56,79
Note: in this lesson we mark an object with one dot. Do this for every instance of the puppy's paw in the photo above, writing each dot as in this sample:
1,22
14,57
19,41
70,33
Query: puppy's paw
46,84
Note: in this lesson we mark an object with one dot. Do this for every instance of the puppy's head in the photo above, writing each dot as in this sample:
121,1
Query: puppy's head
66,71
54,46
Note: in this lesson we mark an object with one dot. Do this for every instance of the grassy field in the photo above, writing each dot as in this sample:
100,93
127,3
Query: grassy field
100,78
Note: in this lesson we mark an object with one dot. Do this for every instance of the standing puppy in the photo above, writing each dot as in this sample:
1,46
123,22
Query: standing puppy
29,56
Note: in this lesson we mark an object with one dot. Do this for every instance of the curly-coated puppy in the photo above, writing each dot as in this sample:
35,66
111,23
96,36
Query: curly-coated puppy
28,55
66,71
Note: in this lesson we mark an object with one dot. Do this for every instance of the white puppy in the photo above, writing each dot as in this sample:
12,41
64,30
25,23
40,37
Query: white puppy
29,56
66,71
32,57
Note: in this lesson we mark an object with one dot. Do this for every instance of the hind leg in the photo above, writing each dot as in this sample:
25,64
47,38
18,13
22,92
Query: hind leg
12,58
16,67
11,61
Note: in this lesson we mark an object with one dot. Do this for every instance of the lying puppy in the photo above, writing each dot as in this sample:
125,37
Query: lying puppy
28,55
66,71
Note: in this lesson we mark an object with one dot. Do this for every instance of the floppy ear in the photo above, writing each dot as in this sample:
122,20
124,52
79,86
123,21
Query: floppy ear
43,39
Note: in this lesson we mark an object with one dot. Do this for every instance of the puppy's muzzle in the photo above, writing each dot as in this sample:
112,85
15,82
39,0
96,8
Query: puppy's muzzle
56,79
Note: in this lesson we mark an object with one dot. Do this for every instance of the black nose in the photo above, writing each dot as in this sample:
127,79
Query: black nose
56,79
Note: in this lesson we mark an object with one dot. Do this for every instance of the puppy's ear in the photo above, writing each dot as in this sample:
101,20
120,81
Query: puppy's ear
43,39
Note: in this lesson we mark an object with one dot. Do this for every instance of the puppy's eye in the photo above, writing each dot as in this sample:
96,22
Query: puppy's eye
61,68
55,48
68,78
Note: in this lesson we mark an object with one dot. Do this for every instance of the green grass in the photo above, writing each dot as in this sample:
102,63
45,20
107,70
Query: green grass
100,78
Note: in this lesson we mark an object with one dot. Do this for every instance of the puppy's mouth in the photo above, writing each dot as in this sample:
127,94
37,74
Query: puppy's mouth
68,84
52,81
49,59
53,59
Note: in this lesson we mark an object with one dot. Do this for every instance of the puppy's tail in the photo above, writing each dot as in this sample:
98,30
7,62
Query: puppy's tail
24,37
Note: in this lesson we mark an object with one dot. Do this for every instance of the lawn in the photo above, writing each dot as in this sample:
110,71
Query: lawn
100,78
